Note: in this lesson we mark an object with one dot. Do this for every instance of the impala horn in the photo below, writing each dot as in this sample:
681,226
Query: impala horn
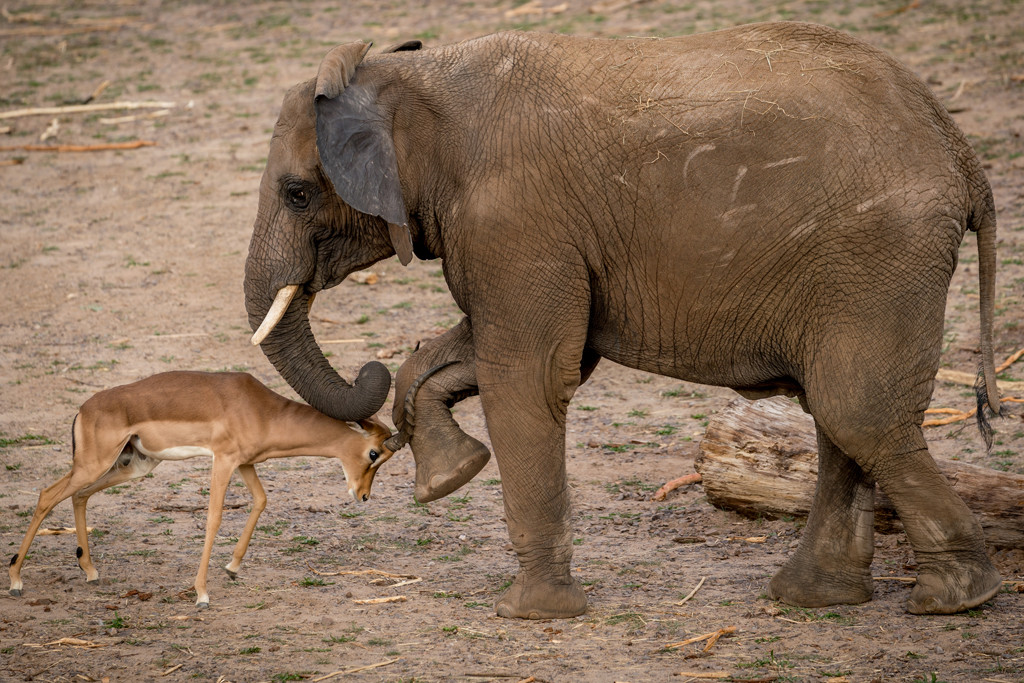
399,440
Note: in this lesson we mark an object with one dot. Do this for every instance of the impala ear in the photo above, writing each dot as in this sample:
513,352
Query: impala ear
375,428
357,152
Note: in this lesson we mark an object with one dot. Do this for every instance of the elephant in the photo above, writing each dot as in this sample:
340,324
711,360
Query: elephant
776,208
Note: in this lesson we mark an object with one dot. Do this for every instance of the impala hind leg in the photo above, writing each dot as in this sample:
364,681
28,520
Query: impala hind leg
129,465
259,502
48,499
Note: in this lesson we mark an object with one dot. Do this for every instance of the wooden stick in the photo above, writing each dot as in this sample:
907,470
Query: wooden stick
53,531
661,493
693,592
967,379
356,670
958,417
60,31
172,669
97,92
704,674
135,117
406,582
134,144
1010,361
73,642
82,108
696,639
12,162
361,572
714,638
381,601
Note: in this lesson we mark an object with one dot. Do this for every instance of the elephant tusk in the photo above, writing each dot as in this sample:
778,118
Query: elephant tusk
277,309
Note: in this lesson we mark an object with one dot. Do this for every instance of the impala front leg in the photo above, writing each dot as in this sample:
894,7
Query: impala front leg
218,489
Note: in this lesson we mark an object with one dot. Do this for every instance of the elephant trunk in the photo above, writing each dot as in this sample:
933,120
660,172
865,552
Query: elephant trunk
292,349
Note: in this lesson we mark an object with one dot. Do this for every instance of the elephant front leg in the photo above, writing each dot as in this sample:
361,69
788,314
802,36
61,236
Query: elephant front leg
446,457
526,421
832,564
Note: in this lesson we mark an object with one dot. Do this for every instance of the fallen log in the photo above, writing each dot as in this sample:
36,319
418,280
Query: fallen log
759,458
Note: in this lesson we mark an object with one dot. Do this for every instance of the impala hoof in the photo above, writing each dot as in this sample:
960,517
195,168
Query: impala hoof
16,592
202,605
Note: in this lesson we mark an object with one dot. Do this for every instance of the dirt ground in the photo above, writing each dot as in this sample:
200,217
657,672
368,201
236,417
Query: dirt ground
119,264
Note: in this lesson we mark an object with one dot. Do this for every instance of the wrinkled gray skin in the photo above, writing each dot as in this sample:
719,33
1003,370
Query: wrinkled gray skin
775,208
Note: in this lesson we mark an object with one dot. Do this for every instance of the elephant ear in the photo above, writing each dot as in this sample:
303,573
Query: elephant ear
355,144
407,46
337,68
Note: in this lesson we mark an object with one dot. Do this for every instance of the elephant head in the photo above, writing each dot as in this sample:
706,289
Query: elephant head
330,204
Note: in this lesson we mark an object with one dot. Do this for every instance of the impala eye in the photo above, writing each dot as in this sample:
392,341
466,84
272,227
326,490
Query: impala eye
374,455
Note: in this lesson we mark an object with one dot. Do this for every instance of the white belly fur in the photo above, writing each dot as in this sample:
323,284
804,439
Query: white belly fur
175,453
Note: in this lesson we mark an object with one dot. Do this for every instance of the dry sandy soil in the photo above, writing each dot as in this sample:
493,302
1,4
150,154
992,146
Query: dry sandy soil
119,264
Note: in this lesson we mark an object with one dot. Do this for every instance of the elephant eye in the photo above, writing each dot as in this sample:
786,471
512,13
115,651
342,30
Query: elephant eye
374,455
298,197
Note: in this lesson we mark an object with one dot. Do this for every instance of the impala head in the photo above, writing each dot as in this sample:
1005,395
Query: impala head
362,461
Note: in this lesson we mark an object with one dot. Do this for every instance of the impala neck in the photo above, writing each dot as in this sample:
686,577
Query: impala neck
298,429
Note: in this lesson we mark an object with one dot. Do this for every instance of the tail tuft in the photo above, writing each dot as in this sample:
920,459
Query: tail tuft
981,393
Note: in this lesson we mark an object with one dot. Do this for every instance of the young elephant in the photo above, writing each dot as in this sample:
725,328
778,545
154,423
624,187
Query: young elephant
775,208
122,433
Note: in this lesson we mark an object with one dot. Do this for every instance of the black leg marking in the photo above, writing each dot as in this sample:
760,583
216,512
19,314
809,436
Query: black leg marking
14,559
78,552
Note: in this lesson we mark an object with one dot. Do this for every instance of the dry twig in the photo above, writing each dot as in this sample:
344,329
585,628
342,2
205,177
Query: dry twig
704,674
73,642
355,670
693,592
53,531
84,108
133,144
1010,361
661,493
711,637
361,572
381,601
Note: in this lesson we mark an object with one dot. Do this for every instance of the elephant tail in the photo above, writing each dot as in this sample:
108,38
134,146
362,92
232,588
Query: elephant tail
983,222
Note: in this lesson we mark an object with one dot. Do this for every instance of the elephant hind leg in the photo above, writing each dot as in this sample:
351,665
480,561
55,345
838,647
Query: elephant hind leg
955,572
832,564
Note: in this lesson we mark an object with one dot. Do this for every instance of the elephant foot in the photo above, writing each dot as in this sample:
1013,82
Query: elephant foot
445,471
542,600
803,585
953,586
